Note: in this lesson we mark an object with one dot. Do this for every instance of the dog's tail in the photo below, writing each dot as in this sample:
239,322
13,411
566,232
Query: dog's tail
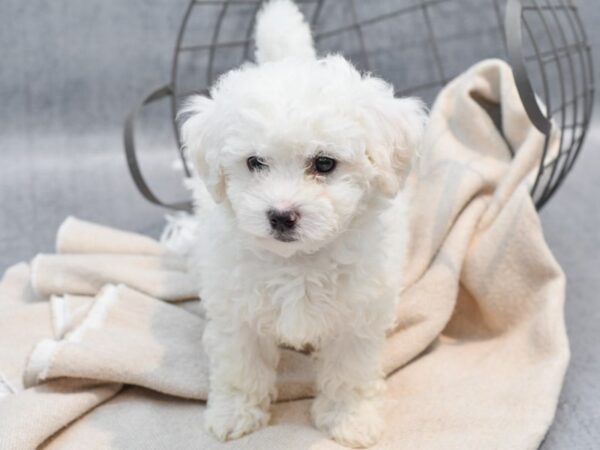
282,32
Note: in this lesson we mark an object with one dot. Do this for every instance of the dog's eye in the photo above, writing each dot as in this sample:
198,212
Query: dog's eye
255,163
323,164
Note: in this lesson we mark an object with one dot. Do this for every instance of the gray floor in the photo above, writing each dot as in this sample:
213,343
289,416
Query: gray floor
571,223
71,70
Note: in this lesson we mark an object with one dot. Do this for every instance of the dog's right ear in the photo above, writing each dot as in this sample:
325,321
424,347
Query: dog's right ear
201,146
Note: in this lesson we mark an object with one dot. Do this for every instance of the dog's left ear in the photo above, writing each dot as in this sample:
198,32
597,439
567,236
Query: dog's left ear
201,145
395,127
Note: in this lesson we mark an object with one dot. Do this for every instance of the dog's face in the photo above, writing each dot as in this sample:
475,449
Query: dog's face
299,148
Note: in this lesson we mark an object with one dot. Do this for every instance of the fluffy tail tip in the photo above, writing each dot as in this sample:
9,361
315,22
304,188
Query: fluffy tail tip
282,32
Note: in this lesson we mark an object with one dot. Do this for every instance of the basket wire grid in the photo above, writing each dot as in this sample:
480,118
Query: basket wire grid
418,46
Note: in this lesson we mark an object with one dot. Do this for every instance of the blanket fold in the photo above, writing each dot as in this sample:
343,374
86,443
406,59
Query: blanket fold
476,360
91,256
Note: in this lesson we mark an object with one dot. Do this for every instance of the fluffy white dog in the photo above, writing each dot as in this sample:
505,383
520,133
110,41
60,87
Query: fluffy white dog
301,241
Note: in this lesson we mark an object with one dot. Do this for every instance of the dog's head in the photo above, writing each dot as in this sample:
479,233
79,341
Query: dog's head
299,147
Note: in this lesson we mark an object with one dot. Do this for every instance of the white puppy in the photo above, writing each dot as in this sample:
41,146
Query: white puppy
302,238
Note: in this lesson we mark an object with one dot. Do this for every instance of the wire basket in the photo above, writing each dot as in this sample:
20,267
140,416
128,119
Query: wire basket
418,46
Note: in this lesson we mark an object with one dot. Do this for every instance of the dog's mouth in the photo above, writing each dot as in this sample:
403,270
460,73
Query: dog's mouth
285,237
285,245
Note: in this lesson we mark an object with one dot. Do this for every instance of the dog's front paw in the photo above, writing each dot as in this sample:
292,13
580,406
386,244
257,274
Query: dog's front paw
355,423
229,418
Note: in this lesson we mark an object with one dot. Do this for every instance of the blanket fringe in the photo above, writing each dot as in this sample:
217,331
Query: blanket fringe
178,233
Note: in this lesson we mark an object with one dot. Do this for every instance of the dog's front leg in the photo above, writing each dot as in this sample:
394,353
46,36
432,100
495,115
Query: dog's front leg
350,383
242,379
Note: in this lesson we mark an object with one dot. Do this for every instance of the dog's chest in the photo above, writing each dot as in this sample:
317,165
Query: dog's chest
303,304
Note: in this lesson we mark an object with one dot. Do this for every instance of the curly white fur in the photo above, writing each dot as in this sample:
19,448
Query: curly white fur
337,284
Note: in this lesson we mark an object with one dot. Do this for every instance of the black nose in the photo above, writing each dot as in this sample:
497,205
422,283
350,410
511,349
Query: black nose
282,221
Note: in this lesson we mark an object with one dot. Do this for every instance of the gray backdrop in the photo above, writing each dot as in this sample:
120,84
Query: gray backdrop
71,70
